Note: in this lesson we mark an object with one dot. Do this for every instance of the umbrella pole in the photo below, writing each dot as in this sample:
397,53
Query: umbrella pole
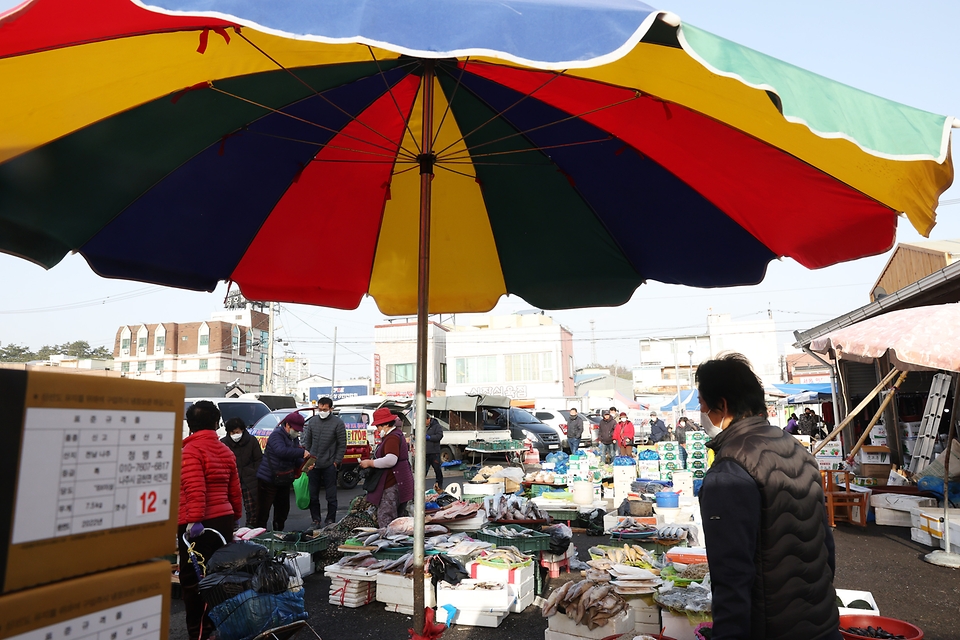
426,160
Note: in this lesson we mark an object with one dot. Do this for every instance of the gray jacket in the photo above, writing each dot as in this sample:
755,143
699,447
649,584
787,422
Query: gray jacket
434,435
326,439
575,426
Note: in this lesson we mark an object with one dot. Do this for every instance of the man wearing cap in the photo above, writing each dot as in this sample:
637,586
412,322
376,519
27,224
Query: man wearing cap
325,437
282,460
658,430
395,487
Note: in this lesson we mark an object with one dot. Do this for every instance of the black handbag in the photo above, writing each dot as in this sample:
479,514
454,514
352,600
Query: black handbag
282,478
372,479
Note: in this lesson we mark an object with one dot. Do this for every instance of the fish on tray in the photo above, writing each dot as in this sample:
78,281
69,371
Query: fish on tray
507,532
586,602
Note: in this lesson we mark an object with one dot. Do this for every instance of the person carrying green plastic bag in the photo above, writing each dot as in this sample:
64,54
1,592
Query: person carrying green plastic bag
301,489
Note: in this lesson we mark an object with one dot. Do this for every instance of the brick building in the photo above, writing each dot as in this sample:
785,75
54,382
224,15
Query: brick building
231,345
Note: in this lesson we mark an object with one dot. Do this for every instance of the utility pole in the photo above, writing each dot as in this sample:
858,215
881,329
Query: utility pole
333,373
593,346
676,370
268,378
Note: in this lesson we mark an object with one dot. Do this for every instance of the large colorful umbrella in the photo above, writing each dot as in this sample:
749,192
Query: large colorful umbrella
447,152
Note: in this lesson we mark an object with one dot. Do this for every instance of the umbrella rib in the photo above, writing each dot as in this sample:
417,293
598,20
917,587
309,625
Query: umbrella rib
319,93
498,114
550,124
406,119
324,146
453,96
460,173
314,124
452,158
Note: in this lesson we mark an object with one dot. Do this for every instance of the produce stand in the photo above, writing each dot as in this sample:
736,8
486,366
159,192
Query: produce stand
485,452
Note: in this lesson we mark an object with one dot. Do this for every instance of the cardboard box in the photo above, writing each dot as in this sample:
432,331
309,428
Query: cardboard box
132,602
697,464
878,471
89,474
878,431
697,436
671,465
870,454
833,449
829,463
864,482
698,474
669,447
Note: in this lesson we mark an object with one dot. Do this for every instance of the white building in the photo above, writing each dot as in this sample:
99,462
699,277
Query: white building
395,359
72,362
522,356
669,362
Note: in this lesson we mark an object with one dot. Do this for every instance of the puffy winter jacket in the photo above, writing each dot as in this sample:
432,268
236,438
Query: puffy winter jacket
209,484
434,435
248,453
280,454
623,432
770,551
607,428
325,439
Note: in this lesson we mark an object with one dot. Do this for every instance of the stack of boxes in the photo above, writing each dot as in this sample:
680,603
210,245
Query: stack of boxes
874,462
830,457
519,578
649,470
697,459
90,474
670,459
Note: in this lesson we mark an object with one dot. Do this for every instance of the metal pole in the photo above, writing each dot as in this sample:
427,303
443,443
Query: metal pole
676,369
426,159
833,382
333,372
268,378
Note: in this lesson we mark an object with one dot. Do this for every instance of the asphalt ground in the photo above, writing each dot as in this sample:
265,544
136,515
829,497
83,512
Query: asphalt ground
882,560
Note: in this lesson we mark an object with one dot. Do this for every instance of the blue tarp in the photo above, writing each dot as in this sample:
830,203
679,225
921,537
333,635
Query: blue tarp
806,393
690,400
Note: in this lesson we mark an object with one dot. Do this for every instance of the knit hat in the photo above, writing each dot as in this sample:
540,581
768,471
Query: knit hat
383,416
623,415
294,421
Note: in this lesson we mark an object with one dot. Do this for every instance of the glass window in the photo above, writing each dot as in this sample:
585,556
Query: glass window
247,367
529,367
443,372
142,365
125,343
203,364
159,365
204,339
399,373
476,370
249,339
233,363
161,342
142,342
124,366
236,338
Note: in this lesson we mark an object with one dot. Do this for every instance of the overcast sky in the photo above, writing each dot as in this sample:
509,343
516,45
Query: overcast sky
909,52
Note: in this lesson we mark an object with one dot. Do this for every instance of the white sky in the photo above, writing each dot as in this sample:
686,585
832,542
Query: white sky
907,52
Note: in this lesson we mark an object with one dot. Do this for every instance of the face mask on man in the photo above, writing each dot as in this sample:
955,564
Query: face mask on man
236,436
324,415
708,427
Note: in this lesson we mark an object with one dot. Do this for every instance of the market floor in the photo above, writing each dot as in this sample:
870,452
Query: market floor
882,560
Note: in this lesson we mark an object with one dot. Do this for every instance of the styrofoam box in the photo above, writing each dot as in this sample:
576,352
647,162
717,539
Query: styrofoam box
677,626
303,561
482,489
398,608
473,618
644,613
900,502
911,429
666,446
870,454
832,449
892,517
928,520
921,536
521,595
394,588
829,463
474,599
878,431
848,595
620,623
696,436
516,575
648,628
954,546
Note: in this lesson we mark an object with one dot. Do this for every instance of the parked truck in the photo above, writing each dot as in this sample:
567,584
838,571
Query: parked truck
466,418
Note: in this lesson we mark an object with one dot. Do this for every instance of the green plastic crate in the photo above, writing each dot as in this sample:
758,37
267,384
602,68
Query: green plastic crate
536,542
274,544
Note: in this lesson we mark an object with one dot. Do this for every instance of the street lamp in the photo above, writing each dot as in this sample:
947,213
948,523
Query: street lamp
690,370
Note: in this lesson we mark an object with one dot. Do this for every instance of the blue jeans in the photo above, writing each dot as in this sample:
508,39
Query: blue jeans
574,444
610,450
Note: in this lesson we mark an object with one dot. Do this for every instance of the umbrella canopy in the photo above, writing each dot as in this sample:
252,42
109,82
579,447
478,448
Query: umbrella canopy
689,400
806,393
919,338
278,145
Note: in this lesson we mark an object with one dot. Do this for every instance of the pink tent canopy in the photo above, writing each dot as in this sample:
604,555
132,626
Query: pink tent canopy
920,338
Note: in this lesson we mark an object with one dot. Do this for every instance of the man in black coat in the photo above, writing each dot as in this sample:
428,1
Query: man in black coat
434,436
248,452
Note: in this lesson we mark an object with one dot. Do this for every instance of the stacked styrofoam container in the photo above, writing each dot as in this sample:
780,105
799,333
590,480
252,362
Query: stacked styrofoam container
623,477
697,454
648,469
894,509
927,528
830,457
395,590
518,577
878,435
579,467
477,607
670,459
560,627
646,614
351,587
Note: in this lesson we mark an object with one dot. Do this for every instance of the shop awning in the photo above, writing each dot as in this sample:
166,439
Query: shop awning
689,400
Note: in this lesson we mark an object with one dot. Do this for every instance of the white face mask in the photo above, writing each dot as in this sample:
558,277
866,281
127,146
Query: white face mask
709,428
236,436
324,415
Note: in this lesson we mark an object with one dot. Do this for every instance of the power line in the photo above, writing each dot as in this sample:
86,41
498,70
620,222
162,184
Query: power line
136,293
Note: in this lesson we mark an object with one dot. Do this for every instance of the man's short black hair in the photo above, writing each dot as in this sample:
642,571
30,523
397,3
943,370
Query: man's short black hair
730,377
325,400
234,423
203,414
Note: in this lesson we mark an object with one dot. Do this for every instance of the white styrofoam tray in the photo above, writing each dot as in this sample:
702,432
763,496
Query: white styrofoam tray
849,595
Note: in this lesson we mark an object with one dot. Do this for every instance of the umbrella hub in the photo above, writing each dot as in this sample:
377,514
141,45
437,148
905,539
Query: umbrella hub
426,162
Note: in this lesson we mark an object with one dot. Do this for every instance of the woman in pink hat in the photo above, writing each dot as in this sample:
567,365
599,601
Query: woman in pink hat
395,486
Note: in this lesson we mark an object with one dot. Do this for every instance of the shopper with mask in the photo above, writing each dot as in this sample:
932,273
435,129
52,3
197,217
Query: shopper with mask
247,451
325,437
574,430
282,460
623,435
608,447
210,498
394,488
658,430
770,550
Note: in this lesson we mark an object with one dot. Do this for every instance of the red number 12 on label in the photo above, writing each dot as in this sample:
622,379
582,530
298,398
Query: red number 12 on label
148,502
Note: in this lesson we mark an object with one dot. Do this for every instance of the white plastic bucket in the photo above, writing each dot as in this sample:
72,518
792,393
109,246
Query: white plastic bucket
583,492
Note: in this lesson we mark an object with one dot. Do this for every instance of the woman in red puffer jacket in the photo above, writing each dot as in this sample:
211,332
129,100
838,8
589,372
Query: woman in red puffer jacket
210,498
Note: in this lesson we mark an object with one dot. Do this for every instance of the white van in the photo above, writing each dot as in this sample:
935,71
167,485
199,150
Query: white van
247,409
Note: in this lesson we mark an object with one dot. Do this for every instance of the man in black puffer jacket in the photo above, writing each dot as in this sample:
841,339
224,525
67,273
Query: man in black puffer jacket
770,551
